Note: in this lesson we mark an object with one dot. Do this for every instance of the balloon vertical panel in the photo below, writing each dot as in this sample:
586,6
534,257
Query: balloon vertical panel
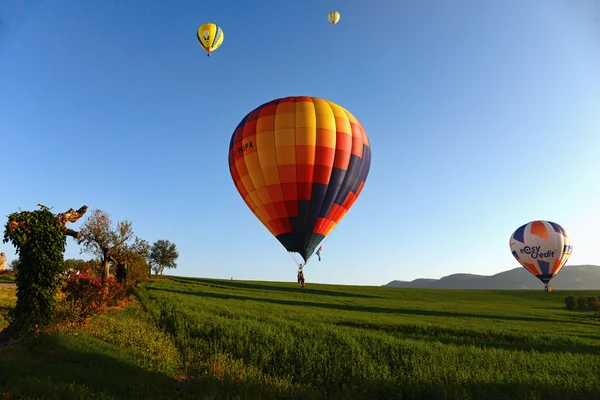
299,163
541,247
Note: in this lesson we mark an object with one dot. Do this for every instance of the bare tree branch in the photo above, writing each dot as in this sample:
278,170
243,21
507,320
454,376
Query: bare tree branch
70,215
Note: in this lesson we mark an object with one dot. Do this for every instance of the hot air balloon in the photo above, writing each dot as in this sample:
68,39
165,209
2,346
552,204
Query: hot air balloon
541,247
333,17
299,163
210,37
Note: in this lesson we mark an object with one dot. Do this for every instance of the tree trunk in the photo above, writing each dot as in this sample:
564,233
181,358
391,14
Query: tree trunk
105,267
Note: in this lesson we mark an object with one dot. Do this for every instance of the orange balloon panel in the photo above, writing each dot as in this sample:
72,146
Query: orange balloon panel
299,163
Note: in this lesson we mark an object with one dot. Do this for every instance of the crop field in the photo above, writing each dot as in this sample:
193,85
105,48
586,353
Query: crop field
4,278
203,338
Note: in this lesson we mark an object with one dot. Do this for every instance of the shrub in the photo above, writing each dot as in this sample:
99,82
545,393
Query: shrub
571,303
85,296
582,302
595,304
40,242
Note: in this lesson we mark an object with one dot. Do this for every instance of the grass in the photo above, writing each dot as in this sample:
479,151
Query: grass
7,278
201,338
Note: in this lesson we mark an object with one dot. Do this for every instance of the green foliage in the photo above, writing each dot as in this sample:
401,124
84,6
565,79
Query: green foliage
75,264
86,296
571,303
100,239
40,243
583,303
163,255
134,258
14,266
121,273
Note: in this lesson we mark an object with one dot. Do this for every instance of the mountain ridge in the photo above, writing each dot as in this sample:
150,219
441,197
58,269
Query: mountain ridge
573,277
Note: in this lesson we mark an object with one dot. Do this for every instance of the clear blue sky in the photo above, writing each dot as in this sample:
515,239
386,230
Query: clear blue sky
482,116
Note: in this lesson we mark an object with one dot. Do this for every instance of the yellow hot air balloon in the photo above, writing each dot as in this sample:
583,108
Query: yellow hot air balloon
210,37
333,17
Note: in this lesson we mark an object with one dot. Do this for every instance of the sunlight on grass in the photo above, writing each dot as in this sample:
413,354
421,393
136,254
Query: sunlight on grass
208,339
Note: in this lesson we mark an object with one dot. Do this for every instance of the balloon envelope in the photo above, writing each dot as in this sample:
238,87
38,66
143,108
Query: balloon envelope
541,247
210,36
299,163
333,17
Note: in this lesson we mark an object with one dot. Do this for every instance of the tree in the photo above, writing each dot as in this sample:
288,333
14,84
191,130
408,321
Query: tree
132,260
74,264
40,239
99,238
163,255
14,265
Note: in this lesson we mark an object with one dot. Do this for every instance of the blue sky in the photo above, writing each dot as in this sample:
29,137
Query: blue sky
482,116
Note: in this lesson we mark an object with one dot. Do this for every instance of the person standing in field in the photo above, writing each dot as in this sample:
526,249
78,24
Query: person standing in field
2,261
301,275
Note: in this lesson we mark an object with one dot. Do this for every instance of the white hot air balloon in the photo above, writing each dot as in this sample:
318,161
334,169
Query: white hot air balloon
542,248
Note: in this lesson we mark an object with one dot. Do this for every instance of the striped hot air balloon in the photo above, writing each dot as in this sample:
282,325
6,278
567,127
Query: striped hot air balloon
541,247
333,17
299,163
210,36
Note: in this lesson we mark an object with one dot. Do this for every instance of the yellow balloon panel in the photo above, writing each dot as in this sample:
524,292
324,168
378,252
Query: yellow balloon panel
210,36
333,17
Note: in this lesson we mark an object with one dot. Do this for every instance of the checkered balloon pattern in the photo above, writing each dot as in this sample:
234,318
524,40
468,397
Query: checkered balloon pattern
541,247
299,163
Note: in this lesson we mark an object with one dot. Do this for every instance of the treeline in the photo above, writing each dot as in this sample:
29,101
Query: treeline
120,261
117,251
583,303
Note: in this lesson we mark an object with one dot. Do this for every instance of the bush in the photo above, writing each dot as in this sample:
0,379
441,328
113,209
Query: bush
137,270
571,303
595,304
582,302
85,296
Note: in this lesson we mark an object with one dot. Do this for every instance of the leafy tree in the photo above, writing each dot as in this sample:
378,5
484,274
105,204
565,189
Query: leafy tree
163,255
14,265
571,302
40,239
100,239
132,261
74,264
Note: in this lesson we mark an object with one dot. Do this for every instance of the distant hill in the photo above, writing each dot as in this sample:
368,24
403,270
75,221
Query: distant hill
571,277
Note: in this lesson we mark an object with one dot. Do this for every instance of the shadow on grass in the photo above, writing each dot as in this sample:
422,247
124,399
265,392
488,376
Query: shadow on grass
57,368
372,309
247,285
53,368
470,390
472,338
505,341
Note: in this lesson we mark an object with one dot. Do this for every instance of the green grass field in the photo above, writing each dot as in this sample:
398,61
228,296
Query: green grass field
201,338
6,278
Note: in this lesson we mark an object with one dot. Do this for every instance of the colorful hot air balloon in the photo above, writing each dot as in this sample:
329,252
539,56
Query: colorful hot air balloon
210,37
299,163
541,247
333,17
